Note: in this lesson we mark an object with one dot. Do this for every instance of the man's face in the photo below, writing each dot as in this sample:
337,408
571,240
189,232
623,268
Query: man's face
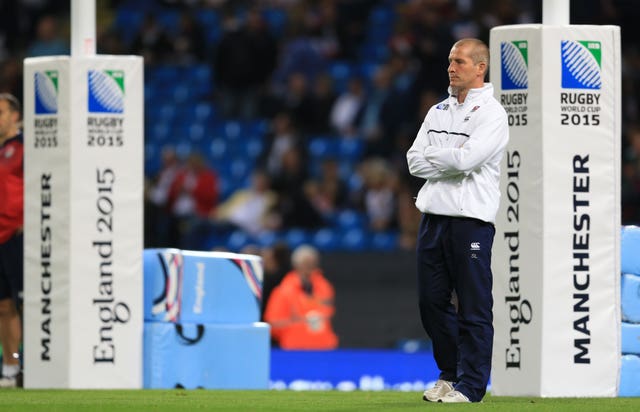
464,74
8,120
307,265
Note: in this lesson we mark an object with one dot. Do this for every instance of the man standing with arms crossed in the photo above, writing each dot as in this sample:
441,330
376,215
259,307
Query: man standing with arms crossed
458,151
11,252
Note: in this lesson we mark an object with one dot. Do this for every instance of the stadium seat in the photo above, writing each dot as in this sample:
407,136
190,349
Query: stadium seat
161,132
166,112
149,94
382,16
164,75
296,237
350,219
354,239
254,147
183,148
214,241
203,111
385,241
351,149
200,80
267,238
127,23
196,133
238,168
226,189
379,33
374,51
210,21
152,159
182,93
341,72
229,130
326,240
276,19
238,240
257,128
216,149
321,147
169,20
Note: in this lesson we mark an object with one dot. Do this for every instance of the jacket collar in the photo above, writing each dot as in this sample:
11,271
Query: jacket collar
473,94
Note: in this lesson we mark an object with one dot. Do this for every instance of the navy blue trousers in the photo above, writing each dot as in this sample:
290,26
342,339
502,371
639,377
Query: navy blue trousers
454,254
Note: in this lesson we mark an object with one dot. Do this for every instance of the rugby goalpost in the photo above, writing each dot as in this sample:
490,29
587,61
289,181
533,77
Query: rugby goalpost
83,124
556,251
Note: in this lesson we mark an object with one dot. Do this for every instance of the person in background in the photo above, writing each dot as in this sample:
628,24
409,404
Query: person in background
300,309
328,192
243,62
193,196
48,40
11,238
378,194
249,209
346,108
322,100
457,152
157,213
293,205
152,41
276,259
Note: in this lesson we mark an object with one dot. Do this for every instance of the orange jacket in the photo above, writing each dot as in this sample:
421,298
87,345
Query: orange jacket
299,320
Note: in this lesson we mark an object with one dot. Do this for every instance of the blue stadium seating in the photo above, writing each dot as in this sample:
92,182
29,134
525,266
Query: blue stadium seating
354,240
210,21
341,72
384,241
160,132
180,112
238,240
297,237
374,51
326,240
350,219
125,20
277,20
169,19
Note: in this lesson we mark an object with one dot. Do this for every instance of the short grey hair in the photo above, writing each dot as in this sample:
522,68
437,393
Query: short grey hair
479,51
302,252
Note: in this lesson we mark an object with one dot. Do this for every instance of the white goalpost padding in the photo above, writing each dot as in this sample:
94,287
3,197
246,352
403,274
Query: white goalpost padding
556,252
83,124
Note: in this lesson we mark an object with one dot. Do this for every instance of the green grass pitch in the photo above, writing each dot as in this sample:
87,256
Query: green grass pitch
15,400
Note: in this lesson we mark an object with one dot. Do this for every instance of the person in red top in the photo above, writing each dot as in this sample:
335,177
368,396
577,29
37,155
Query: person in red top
11,221
300,308
193,195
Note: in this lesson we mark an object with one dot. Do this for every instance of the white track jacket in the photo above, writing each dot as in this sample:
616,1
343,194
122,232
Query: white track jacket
458,151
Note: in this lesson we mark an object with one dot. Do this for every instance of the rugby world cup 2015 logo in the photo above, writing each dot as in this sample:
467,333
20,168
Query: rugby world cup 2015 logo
106,91
581,64
46,92
514,59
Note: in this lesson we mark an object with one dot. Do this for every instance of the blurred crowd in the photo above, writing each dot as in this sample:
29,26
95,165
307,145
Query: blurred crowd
274,61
